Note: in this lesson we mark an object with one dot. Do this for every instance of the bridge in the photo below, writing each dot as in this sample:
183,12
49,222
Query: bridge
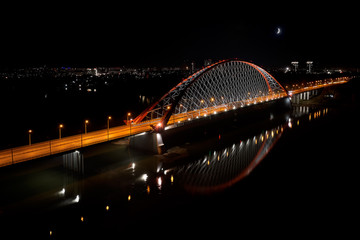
224,86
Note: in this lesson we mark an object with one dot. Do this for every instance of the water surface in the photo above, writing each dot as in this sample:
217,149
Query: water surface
291,174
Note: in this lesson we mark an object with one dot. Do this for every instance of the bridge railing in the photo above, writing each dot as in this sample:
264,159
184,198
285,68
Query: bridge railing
201,113
52,147
198,113
303,87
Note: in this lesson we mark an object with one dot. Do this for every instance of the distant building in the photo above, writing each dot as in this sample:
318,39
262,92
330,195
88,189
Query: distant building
296,66
310,66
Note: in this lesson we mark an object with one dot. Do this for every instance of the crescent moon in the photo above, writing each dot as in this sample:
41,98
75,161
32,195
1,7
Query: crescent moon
278,31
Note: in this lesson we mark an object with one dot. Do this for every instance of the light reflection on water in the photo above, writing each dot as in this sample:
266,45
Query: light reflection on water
222,168
126,177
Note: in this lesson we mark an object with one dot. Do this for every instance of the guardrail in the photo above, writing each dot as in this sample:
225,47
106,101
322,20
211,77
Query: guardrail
47,148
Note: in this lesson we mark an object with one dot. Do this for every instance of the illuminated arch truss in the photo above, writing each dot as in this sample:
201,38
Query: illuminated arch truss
223,86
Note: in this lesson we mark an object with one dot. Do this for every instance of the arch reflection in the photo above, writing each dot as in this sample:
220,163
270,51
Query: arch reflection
220,169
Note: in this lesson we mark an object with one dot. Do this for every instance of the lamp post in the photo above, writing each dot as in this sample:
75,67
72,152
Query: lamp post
130,125
212,100
201,106
30,132
127,118
60,127
86,123
108,127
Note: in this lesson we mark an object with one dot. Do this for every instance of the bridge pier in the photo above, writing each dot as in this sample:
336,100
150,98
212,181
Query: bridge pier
304,96
148,142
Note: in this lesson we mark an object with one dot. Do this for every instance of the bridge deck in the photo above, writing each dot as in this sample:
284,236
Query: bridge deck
47,148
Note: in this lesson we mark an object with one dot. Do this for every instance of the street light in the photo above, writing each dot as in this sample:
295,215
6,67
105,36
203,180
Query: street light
86,123
60,127
30,132
130,128
127,118
108,126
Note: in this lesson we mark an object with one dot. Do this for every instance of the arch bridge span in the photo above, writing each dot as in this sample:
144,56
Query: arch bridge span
220,87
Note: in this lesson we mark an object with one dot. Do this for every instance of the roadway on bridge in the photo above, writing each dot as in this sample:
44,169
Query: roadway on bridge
65,144
42,149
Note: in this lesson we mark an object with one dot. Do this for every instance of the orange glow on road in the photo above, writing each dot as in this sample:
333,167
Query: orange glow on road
47,148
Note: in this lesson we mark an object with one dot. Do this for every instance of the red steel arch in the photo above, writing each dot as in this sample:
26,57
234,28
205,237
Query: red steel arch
226,84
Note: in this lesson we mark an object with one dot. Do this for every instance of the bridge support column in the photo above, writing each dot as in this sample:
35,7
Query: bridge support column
296,98
148,142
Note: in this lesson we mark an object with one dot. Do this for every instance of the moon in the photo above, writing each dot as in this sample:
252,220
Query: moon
278,32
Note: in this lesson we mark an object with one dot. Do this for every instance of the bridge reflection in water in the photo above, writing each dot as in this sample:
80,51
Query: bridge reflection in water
222,168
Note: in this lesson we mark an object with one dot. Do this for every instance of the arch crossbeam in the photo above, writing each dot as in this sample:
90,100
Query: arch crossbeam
227,84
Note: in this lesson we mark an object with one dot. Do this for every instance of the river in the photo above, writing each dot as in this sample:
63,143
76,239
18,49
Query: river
297,176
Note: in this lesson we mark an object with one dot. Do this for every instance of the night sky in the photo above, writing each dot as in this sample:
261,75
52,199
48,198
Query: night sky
108,35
